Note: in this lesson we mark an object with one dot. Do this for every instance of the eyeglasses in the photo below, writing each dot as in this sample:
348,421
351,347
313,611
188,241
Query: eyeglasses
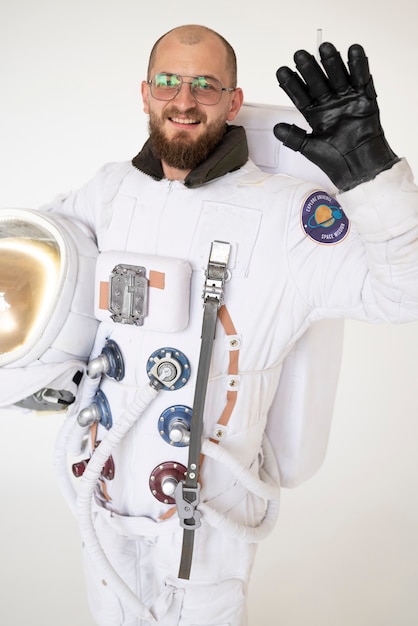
205,89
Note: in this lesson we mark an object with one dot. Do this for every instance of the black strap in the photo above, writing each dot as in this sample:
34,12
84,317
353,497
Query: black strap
190,486
187,491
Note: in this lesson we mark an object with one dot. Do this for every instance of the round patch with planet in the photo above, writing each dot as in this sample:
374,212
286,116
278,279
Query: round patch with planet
323,219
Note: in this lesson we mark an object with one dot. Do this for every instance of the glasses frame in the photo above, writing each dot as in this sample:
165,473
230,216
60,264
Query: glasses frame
150,82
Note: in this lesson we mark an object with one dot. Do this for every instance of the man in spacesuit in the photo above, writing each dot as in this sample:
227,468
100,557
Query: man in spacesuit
179,386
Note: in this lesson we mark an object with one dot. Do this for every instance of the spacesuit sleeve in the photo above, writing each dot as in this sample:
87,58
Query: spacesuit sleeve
372,273
385,213
386,207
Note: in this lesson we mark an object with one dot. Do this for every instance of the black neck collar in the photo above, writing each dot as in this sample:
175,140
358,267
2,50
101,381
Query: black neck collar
229,155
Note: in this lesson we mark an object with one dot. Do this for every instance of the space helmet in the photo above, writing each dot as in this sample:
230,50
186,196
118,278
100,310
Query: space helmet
47,323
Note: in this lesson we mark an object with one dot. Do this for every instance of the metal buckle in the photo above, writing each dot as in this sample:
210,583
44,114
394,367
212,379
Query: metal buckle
216,271
186,508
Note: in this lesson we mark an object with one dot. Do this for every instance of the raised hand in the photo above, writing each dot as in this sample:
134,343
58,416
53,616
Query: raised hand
347,140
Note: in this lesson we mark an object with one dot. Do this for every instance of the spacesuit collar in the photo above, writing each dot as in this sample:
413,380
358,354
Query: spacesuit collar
229,155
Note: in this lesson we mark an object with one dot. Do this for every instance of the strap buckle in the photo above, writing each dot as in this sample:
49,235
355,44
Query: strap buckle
187,499
216,272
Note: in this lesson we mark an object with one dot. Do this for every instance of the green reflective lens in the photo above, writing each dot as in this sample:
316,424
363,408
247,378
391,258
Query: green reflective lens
167,81
200,82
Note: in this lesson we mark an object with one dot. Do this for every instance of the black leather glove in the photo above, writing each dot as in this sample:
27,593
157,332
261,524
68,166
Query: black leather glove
347,141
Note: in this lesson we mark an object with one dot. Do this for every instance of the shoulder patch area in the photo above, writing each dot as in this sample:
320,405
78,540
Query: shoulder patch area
323,220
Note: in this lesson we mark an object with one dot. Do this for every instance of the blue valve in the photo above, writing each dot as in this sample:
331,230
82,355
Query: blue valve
169,367
174,425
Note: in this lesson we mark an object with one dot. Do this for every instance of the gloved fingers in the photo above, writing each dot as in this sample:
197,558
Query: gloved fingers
358,65
310,70
290,135
335,68
294,87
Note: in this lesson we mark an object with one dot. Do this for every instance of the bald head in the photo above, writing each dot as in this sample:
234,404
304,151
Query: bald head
190,35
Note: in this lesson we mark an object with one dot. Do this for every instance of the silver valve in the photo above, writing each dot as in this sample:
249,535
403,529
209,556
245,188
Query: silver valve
179,432
168,485
98,366
89,415
169,367
98,411
167,371
109,362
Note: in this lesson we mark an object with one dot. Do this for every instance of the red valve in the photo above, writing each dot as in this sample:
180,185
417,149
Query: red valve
164,479
108,470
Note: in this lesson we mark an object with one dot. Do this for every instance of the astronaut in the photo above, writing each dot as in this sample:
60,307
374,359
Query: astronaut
208,273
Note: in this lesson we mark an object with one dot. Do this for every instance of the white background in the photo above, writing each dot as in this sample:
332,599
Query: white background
345,551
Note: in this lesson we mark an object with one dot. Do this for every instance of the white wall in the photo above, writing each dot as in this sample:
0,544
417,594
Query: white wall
345,550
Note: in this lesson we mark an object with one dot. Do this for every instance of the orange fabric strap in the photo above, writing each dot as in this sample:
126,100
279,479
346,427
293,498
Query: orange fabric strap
231,396
93,438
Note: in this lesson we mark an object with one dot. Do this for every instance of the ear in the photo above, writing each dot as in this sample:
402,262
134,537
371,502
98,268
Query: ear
236,103
145,95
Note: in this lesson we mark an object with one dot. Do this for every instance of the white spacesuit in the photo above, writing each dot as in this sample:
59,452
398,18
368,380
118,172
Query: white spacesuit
294,255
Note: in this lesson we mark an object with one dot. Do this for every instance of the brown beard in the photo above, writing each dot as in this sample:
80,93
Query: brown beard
181,152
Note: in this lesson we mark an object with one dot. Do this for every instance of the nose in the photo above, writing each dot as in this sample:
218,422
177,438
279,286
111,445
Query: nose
184,98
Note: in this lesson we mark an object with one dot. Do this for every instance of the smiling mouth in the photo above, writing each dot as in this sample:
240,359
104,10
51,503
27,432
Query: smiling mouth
185,121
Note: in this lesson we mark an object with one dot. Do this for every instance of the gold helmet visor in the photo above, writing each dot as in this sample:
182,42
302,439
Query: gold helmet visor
30,276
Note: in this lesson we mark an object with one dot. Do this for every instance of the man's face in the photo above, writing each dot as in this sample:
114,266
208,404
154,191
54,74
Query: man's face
183,131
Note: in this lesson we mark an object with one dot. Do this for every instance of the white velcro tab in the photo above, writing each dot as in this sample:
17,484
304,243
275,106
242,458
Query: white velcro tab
233,342
168,289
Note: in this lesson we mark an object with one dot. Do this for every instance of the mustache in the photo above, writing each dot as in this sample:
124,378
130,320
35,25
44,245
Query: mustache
193,112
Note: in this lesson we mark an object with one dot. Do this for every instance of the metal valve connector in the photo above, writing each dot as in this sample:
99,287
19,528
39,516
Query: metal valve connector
179,432
97,411
169,367
89,415
109,362
168,485
98,366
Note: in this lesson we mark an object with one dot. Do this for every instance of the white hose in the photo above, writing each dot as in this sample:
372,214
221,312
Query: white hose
70,440
61,462
255,485
242,532
267,487
88,483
